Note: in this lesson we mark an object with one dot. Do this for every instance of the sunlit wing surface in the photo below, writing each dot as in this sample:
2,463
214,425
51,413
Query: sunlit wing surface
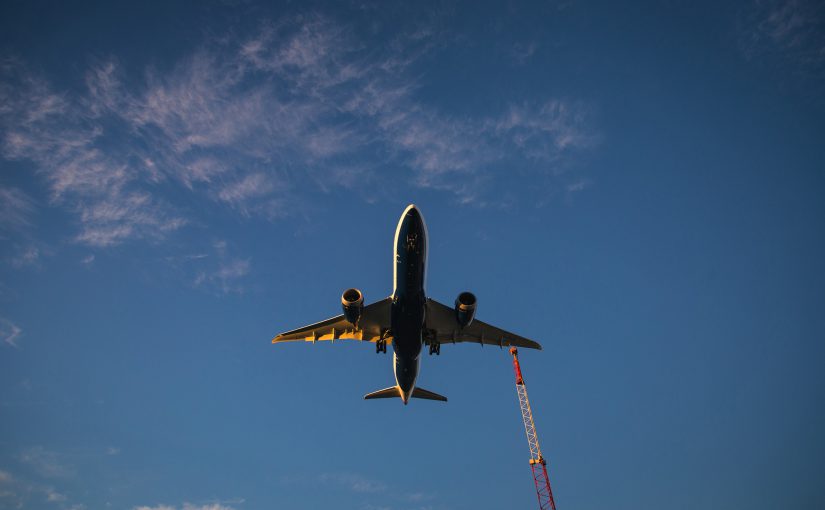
374,322
441,319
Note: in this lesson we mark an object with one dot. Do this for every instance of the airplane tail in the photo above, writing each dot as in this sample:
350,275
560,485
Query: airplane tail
395,392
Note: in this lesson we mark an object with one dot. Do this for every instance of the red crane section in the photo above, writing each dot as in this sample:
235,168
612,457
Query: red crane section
537,463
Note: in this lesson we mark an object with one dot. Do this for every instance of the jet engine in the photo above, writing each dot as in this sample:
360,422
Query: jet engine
352,302
465,308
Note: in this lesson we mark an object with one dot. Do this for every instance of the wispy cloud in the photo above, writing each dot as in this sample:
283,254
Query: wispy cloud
225,272
521,52
785,32
18,492
10,333
25,256
577,186
16,208
187,506
47,463
418,496
248,121
16,212
9,496
112,219
239,193
353,482
87,170
53,496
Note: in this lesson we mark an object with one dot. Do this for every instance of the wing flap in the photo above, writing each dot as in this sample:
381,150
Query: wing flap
441,320
372,326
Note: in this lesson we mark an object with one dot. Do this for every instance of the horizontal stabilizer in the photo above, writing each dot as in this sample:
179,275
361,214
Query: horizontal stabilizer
429,395
391,392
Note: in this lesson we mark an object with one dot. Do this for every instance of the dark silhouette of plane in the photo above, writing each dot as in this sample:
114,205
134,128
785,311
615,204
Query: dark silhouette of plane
408,318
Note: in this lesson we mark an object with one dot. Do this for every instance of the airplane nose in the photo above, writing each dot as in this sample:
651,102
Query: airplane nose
414,217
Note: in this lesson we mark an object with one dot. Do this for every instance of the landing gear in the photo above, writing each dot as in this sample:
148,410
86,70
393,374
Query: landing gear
381,343
381,346
435,348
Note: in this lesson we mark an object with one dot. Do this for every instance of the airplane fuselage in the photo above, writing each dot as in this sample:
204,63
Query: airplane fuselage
408,298
407,319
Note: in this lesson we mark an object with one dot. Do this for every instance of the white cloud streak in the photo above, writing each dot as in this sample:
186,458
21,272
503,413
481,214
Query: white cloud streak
27,256
10,333
17,492
521,52
47,463
85,171
246,123
53,496
187,506
227,276
16,208
353,482
792,30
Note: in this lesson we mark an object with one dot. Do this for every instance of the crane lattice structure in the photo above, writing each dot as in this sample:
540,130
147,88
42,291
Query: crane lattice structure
537,463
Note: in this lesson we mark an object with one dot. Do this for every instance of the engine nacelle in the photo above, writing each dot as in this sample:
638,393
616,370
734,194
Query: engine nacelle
465,308
352,302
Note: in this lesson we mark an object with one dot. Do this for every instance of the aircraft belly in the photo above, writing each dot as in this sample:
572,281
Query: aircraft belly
407,323
409,299
406,372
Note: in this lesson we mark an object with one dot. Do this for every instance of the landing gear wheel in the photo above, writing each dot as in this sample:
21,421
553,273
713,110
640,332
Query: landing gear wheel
435,348
381,346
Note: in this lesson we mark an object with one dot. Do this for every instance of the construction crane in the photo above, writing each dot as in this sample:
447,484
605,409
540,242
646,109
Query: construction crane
537,463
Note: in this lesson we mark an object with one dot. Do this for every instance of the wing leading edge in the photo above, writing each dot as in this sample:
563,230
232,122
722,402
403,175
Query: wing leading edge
374,322
441,320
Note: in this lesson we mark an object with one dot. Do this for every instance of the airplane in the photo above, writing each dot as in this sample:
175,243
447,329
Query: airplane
408,319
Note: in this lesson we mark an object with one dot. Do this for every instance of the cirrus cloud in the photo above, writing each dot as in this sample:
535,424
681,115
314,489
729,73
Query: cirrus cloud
246,123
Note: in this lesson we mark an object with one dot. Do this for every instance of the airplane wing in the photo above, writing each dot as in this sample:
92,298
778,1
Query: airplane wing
374,321
441,319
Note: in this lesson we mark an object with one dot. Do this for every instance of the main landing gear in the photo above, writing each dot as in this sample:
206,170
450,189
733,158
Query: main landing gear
381,343
435,348
381,346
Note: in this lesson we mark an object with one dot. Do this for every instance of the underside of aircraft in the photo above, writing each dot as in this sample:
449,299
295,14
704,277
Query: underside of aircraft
407,319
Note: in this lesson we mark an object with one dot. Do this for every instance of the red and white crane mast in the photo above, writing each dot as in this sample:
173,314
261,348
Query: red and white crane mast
537,462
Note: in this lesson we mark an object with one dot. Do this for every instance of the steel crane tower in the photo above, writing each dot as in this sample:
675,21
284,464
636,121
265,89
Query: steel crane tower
537,463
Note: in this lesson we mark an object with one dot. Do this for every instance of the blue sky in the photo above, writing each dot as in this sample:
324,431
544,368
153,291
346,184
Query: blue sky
638,187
